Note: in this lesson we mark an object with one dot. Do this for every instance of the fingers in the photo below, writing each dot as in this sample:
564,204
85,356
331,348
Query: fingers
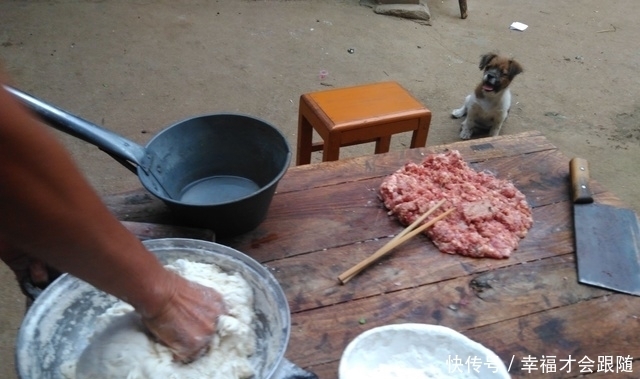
190,345
188,321
32,274
188,358
22,265
38,273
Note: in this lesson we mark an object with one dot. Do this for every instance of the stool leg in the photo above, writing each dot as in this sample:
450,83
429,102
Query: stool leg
419,137
383,144
305,136
463,8
331,151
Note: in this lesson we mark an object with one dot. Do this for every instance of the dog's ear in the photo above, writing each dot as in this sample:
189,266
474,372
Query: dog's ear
514,69
485,59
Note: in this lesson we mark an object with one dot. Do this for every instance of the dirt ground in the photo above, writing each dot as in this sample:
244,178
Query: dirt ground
141,66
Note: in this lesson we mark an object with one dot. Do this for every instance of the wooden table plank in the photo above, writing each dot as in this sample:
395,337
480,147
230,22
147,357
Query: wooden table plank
359,179
307,221
602,326
318,212
560,331
354,169
146,231
537,313
140,205
330,370
310,280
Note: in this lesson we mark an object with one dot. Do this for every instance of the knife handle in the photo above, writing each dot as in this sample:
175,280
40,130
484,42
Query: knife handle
580,190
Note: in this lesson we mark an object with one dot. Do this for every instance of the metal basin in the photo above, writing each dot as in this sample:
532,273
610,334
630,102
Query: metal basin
57,327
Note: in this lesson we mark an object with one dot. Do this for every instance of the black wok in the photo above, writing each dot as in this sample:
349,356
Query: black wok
218,171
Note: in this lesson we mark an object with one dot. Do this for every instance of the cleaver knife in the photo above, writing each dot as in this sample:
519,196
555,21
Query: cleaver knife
607,238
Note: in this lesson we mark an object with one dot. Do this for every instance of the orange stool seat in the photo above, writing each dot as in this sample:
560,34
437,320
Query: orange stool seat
360,114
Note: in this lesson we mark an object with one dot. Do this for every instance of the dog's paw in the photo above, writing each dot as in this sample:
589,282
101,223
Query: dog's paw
465,133
457,113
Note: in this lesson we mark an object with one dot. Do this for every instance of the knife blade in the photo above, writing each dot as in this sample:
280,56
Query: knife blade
607,238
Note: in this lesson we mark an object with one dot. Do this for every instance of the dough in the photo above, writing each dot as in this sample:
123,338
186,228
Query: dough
122,350
418,351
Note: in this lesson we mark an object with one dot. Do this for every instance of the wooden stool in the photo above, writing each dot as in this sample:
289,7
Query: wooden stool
355,115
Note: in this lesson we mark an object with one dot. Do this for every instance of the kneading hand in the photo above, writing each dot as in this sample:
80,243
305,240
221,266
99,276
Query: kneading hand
187,321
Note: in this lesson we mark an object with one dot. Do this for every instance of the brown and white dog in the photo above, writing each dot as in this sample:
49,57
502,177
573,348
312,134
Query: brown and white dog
488,106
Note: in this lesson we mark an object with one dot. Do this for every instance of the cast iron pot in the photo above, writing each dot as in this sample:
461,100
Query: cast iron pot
57,327
218,171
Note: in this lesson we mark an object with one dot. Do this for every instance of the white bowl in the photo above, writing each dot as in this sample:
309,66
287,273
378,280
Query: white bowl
418,351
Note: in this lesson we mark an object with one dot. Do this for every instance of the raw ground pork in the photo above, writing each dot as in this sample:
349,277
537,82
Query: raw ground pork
490,214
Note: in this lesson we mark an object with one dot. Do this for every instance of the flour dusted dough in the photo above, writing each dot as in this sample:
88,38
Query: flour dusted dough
122,350
418,351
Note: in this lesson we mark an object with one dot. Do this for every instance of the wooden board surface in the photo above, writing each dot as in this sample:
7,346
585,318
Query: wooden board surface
327,217
145,231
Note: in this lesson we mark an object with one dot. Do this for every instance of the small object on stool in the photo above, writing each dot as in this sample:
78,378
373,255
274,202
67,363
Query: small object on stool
360,114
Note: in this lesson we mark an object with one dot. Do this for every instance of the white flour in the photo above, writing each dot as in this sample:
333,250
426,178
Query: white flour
121,349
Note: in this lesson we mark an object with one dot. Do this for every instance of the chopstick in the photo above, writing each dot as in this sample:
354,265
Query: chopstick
398,240
349,274
417,221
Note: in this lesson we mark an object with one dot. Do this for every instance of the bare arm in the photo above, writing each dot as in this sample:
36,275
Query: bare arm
50,212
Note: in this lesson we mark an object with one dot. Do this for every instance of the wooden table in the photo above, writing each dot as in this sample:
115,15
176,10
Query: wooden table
327,217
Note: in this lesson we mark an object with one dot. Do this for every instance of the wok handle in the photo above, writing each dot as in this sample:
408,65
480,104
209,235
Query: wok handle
120,148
